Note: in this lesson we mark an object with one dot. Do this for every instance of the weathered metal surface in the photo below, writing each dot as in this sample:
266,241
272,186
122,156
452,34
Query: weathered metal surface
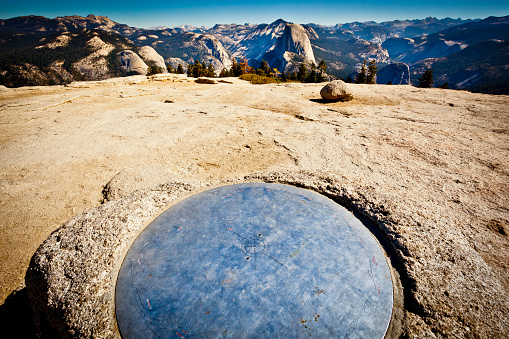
254,260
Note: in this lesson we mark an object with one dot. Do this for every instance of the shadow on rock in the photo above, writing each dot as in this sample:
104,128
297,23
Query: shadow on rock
16,317
325,101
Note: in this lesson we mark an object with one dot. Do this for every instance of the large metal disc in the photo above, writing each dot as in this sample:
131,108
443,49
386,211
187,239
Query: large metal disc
254,261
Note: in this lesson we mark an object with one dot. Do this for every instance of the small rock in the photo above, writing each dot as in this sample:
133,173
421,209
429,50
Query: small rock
306,117
169,101
206,81
335,91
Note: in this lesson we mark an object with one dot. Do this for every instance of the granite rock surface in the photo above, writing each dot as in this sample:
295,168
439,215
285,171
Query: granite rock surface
426,167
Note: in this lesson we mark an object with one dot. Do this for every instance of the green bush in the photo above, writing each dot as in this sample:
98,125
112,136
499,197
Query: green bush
153,69
258,79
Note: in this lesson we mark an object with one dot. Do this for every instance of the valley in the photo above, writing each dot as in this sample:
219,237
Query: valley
419,44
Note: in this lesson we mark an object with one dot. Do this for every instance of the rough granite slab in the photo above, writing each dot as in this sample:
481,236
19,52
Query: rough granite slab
72,275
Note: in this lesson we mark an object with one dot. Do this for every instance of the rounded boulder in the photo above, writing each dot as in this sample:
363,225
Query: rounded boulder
336,90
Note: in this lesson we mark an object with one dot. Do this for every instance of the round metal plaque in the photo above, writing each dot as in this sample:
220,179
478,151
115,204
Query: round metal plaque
254,261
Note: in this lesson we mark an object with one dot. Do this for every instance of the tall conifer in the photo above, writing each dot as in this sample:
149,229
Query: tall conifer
426,79
372,72
361,77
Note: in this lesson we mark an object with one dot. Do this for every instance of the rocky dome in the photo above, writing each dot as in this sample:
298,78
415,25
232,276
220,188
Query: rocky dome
296,40
150,55
131,62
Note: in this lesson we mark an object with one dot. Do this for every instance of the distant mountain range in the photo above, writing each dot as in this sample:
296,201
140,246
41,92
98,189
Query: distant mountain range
456,49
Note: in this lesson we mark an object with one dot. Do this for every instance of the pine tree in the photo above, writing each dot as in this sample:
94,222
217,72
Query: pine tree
170,68
224,73
283,77
180,69
232,67
153,69
236,69
244,66
311,77
320,77
361,77
301,75
322,66
197,69
372,72
322,69
211,72
264,68
426,79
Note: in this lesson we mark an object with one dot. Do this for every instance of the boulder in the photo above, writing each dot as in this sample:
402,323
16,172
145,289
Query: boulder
336,90
397,73
206,81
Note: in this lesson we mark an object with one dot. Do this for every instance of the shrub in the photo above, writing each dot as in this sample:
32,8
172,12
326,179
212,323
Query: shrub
258,79
153,69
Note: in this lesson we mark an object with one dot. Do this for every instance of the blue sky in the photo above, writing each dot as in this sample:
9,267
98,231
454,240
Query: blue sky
198,12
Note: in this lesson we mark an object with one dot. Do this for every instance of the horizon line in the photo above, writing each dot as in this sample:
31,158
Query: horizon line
251,23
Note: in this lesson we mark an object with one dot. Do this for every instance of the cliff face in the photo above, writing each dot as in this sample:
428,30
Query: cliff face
213,51
295,40
291,49
397,74
255,40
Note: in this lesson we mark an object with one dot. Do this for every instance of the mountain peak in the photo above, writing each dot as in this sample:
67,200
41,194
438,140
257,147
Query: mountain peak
278,22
